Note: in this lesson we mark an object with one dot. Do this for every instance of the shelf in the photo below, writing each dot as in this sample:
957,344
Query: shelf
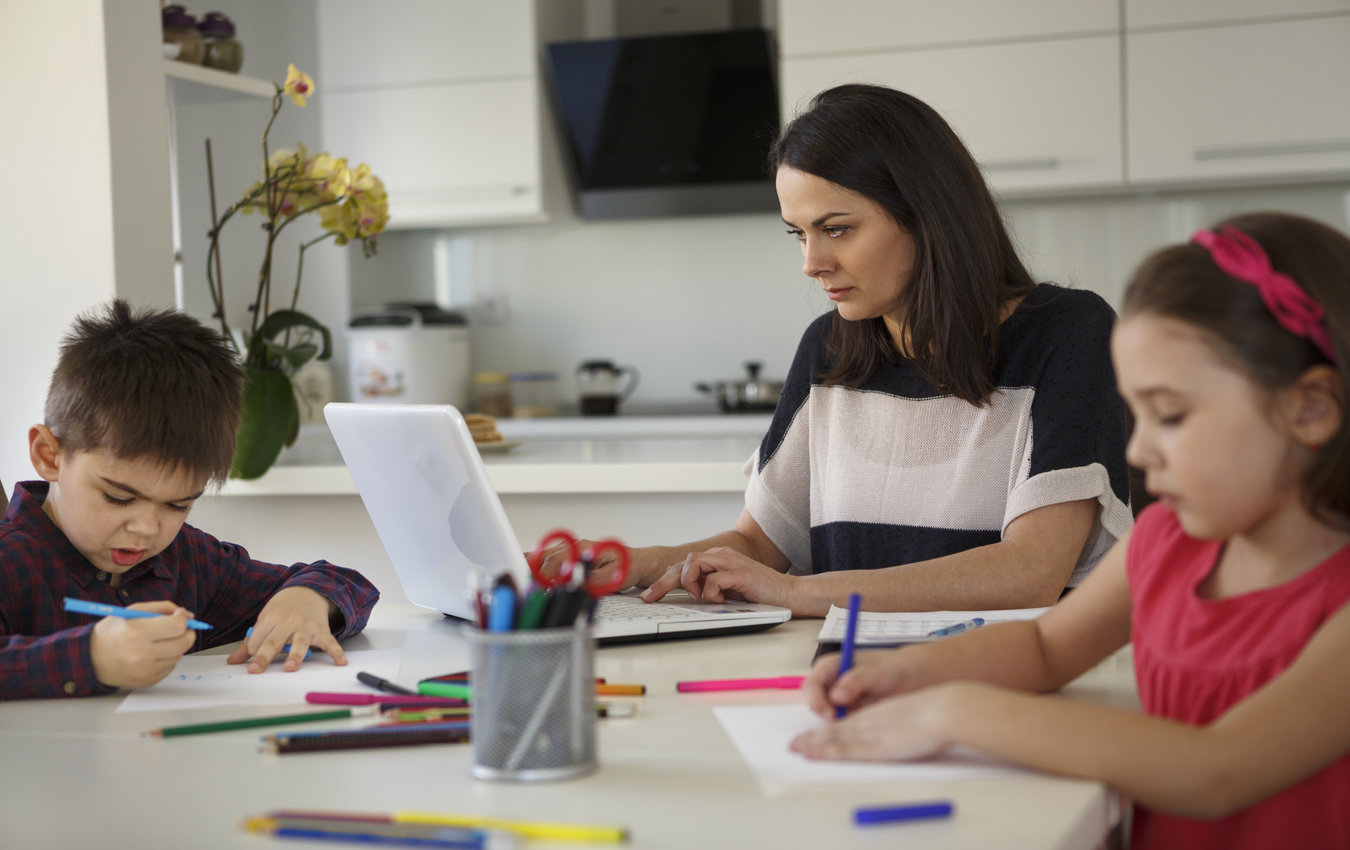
198,84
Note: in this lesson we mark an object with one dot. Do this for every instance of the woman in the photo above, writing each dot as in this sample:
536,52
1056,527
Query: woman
950,436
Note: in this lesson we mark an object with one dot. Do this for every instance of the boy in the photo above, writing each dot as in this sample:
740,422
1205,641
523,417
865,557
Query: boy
141,415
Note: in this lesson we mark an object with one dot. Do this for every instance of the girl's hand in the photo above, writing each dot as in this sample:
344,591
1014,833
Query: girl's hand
876,675
723,573
137,653
903,728
294,615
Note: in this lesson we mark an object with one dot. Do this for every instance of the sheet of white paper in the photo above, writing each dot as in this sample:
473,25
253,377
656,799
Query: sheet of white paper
201,681
762,734
888,628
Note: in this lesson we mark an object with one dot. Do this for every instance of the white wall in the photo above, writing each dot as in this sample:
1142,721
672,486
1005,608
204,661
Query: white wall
56,236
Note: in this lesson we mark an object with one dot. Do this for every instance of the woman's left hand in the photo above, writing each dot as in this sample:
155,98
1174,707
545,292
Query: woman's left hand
722,573
902,728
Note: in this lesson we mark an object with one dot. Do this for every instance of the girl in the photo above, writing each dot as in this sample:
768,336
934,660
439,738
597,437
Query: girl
950,435
1231,353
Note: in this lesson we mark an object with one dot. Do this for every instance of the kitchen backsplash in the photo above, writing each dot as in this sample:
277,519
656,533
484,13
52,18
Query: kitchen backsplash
689,299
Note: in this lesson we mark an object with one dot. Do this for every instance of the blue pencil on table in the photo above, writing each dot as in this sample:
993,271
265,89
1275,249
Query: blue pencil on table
99,609
873,815
850,638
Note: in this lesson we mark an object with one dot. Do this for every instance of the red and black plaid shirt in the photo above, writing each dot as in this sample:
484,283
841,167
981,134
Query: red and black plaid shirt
44,650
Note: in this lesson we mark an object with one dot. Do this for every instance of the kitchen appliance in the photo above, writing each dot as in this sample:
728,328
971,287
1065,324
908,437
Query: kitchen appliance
668,124
601,386
410,353
749,396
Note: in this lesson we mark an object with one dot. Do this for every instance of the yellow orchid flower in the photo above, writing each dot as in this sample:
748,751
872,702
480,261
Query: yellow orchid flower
298,85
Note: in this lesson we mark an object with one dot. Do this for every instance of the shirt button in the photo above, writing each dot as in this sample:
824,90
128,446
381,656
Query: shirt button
69,688
124,593
101,576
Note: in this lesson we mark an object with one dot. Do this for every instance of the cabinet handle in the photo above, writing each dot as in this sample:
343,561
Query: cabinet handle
1049,163
1278,149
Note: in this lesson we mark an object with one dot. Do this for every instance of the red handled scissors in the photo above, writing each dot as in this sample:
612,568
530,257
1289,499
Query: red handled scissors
574,558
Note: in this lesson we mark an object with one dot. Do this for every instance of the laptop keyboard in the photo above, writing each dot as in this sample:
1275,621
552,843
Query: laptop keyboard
614,608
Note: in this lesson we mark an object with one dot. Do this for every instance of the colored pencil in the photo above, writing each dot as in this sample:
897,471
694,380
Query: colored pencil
368,739
386,700
543,831
614,690
253,722
364,832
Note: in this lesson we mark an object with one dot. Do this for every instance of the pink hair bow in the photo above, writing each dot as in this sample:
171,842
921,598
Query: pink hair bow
1240,256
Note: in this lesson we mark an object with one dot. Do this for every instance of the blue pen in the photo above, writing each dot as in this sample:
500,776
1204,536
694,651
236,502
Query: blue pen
957,628
98,609
850,638
872,815
502,614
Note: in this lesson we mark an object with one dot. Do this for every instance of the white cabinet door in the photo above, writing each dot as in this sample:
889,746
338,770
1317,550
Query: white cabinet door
402,42
1267,100
812,27
455,153
1173,13
1040,117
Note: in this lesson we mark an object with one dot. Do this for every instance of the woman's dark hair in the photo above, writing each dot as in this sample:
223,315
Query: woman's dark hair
896,151
1184,283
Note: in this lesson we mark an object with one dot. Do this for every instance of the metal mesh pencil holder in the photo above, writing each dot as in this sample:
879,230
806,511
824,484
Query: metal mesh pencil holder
533,703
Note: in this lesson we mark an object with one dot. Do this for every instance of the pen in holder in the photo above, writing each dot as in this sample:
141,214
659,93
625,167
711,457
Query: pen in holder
533,703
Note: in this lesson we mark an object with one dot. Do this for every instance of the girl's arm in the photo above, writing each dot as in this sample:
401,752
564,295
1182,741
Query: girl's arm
1027,568
1040,655
1291,728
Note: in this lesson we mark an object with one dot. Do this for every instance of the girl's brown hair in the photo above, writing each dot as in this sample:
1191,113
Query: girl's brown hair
895,150
1184,283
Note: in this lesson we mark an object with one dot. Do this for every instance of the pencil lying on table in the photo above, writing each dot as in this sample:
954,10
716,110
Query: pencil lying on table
540,830
375,736
370,832
254,722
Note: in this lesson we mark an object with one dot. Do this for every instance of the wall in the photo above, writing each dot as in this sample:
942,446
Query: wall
55,231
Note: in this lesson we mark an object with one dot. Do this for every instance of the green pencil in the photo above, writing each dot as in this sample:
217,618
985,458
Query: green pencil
273,720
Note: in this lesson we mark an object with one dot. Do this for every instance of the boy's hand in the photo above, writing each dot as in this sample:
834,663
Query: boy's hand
294,615
136,653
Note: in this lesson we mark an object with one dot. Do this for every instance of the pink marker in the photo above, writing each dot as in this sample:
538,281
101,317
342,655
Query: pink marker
331,698
786,683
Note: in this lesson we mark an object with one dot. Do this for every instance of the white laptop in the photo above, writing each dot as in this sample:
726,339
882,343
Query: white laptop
426,490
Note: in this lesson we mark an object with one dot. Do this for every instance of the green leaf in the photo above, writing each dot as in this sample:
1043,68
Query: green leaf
282,320
271,419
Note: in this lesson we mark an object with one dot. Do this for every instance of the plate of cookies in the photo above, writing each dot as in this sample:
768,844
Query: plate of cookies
486,437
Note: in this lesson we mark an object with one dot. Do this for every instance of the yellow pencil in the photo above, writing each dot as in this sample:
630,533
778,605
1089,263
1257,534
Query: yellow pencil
585,833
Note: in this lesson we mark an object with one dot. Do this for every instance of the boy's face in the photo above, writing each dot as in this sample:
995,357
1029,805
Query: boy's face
116,511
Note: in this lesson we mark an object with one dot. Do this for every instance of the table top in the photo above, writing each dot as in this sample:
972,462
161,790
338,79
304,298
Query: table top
76,773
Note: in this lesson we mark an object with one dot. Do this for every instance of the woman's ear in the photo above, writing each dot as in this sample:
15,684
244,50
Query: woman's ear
1318,400
44,450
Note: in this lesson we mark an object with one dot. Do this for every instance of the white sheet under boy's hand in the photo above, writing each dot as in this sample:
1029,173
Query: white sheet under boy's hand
201,681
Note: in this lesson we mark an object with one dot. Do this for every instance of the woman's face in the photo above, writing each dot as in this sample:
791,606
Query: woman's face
850,244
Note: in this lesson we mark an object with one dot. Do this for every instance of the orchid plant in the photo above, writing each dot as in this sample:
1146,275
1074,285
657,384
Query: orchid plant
351,205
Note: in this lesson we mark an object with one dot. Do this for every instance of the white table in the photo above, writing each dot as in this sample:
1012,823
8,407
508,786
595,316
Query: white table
73,773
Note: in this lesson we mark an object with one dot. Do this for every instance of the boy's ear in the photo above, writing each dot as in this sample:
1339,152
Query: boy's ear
1319,398
44,450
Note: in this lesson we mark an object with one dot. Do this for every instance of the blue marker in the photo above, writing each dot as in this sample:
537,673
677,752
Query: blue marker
502,614
281,656
957,628
98,609
850,638
873,815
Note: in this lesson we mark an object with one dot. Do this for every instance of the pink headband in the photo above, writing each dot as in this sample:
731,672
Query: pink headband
1240,256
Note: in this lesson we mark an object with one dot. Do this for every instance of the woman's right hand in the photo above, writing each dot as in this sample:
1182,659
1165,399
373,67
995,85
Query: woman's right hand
875,675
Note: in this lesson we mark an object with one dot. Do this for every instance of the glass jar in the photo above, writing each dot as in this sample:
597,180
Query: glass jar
221,50
182,41
492,393
534,394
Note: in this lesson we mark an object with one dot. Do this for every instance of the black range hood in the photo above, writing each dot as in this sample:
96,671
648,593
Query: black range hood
668,125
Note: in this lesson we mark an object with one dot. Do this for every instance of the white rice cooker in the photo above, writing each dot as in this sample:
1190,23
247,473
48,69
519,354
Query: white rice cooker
409,354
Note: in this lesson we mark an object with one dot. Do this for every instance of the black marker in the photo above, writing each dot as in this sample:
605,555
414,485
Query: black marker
381,684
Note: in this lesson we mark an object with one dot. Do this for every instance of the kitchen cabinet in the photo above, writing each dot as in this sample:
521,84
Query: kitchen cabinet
1041,117
1260,101
1145,14
443,99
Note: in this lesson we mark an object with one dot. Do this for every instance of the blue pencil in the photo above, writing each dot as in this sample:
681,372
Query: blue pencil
98,609
850,638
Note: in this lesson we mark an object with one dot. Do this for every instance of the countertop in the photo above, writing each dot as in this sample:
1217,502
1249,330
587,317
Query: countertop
563,455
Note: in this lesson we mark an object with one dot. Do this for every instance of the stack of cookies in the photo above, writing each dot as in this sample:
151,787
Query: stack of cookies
483,428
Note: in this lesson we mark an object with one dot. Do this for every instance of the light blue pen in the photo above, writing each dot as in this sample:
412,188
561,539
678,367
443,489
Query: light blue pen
957,628
98,609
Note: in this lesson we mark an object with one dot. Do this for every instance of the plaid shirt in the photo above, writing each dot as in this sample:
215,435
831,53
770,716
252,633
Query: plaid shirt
44,650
